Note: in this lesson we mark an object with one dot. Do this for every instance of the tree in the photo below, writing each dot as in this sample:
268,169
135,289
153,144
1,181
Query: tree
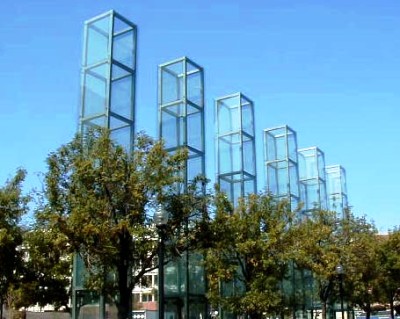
13,205
249,255
44,276
326,242
389,258
102,199
319,251
361,261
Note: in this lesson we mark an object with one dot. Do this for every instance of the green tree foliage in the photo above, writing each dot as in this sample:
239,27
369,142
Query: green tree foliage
249,255
13,205
318,250
360,259
102,200
389,259
44,277
325,242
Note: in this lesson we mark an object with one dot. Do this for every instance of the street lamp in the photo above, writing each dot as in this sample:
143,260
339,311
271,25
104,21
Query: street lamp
160,220
340,272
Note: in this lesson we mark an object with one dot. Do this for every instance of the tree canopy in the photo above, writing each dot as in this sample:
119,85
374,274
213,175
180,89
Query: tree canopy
102,199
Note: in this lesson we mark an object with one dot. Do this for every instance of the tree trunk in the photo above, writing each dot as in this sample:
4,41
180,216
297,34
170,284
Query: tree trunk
124,299
323,314
124,303
368,312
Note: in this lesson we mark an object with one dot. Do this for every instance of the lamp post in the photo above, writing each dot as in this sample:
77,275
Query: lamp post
160,220
340,272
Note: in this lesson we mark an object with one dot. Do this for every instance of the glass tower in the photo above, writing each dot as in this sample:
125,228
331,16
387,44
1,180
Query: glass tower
181,114
108,76
312,178
107,100
281,164
236,164
337,189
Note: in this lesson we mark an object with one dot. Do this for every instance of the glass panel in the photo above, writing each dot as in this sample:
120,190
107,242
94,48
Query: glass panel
116,123
321,165
124,49
194,168
97,41
247,117
95,90
172,280
248,156
196,274
122,137
278,181
237,192
343,180
270,148
229,115
122,97
195,88
226,187
229,153
195,132
172,130
308,167
118,72
96,122
322,191
172,83
249,187
294,180
281,147
292,145
120,26
294,202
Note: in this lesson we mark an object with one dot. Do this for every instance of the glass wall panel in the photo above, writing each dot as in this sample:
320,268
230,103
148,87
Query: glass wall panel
97,42
248,156
195,88
122,96
247,117
124,48
172,82
336,189
123,137
117,123
194,126
194,167
120,25
196,274
95,90
95,122
292,145
229,153
228,115
294,180
172,132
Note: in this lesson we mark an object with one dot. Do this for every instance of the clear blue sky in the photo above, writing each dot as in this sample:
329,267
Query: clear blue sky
330,69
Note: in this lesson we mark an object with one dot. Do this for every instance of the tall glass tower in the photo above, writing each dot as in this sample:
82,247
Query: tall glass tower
107,100
236,164
281,164
181,114
108,76
312,178
337,189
